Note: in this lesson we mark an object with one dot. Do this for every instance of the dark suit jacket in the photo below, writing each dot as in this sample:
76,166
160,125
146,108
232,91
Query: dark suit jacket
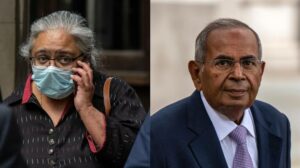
10,141
182,135
139,156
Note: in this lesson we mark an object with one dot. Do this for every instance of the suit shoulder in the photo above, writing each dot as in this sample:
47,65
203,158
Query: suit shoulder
5,112
169,115
263,106
269,111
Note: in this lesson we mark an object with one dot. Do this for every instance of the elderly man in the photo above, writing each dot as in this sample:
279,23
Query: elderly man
60,109
221,124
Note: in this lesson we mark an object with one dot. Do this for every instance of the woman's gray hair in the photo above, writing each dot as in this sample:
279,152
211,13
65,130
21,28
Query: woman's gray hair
224,23
73,24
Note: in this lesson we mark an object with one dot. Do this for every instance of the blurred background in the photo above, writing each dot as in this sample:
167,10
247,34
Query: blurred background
122,33
176,23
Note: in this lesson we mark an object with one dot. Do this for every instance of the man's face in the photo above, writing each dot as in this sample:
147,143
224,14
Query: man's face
235,88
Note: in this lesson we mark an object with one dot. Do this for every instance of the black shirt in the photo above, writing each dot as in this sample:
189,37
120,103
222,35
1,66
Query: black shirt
66,145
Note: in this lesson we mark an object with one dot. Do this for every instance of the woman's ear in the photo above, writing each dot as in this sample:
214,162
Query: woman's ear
195,72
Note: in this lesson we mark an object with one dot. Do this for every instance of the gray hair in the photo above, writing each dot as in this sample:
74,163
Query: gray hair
224,23
73,24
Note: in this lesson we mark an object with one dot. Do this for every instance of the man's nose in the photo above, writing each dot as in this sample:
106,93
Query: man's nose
237,71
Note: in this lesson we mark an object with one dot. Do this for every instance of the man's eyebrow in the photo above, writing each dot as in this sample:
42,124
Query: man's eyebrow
224,57
231,58
249,57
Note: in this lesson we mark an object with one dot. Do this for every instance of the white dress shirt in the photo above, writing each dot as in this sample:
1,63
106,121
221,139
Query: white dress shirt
224,127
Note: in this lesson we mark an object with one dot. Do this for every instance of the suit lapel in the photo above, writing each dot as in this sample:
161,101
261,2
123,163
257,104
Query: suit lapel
269,144
205,145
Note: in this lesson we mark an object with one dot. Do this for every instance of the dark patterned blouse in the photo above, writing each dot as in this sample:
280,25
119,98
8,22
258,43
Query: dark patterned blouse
67,145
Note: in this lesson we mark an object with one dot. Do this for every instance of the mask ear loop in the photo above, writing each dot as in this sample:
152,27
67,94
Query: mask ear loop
86,59
29,67
39,96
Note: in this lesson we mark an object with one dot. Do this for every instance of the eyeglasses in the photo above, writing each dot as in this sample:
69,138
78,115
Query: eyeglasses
224,64
61,60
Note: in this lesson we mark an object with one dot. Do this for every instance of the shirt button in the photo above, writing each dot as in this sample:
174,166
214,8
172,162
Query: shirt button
50,151
52,162
51,142
51,131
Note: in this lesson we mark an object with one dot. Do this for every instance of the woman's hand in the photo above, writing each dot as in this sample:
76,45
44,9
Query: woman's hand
83,77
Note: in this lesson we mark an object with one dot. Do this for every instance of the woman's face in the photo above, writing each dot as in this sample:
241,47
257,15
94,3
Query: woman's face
55,47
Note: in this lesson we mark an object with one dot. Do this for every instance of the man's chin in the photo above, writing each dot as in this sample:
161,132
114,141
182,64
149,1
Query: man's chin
235,105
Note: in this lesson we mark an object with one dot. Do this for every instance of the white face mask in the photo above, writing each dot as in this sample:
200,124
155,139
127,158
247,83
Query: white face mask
53,82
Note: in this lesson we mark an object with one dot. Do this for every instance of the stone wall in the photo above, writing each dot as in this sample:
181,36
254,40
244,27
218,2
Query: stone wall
7,46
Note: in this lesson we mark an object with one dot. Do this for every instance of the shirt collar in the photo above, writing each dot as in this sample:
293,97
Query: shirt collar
27,90
223,125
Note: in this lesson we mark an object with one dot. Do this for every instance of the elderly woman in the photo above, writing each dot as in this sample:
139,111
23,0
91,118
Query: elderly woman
60,109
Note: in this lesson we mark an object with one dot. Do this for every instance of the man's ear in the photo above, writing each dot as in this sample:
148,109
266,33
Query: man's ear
263,67
195,70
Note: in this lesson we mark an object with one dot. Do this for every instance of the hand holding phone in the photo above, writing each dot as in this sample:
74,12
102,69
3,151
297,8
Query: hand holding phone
83,78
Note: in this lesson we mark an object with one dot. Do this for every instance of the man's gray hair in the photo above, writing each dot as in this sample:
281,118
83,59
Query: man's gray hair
73,24
224,23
